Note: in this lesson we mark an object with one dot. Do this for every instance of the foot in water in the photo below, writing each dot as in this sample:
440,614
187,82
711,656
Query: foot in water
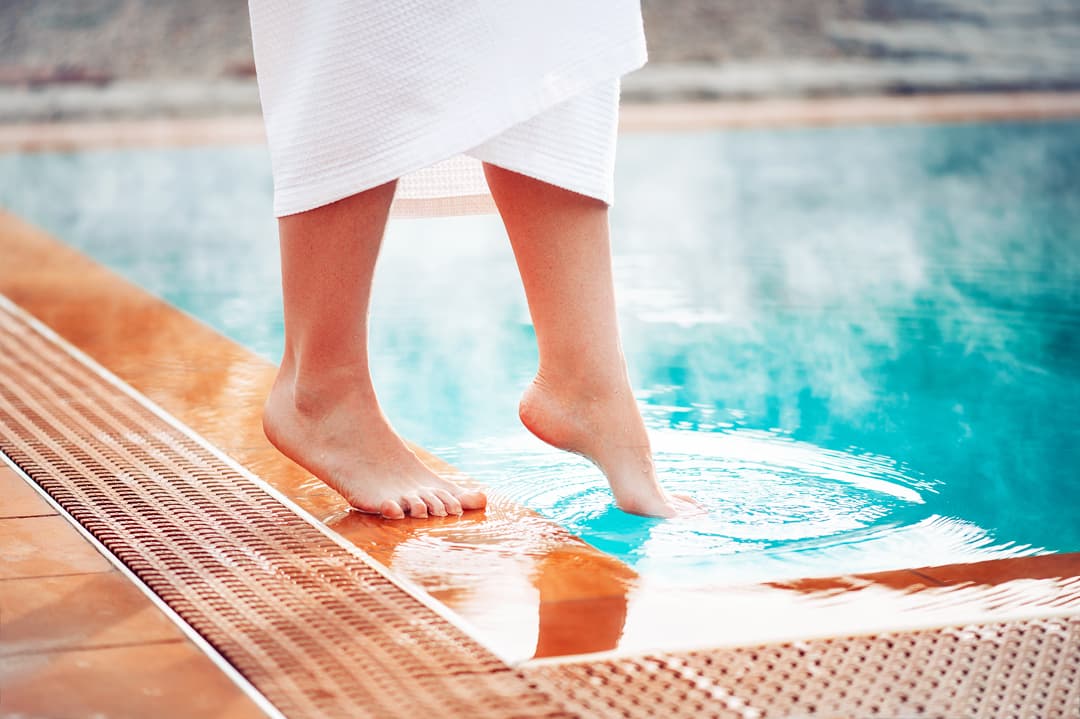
604,425
343,438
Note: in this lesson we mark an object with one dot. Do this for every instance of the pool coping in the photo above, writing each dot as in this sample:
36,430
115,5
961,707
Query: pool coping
634,117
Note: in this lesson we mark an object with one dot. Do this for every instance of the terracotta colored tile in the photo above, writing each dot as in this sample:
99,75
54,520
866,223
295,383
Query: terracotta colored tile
43,546
77,611
571,572
19,499
999,571
173,679
902,580
581,626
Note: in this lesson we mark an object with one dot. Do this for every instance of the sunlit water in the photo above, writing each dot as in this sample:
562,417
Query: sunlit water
858,347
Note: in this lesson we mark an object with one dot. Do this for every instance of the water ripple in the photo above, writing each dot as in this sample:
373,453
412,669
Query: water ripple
778,507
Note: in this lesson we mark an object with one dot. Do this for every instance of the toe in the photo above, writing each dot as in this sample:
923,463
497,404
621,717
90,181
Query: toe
434,504
686,505
471,499
453,506
391,510
417,508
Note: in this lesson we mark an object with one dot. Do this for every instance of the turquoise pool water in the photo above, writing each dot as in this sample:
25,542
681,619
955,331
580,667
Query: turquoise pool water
858,346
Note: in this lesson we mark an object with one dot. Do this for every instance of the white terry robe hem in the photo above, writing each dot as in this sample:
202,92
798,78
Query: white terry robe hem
327,74
336,183
571,145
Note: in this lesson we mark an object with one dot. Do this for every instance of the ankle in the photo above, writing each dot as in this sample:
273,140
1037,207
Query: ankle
584,384
315,391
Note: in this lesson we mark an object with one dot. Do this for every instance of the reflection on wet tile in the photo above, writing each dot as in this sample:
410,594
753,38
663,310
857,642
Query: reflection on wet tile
1045,566
43,546
172,679
580,626
903,580
77,612
19,499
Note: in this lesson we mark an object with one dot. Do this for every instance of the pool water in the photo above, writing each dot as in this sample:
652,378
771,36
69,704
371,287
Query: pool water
858,346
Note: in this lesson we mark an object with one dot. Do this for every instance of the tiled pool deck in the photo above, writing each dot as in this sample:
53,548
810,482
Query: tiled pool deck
1011,646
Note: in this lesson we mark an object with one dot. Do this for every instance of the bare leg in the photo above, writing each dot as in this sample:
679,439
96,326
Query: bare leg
581,399
322,411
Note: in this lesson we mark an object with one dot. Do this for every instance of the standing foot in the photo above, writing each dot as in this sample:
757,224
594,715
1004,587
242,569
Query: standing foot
603,424
342,437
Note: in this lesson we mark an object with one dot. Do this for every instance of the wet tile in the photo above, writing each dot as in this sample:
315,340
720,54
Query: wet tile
78,611
580,626
172,679
902,580
576,571
43,546
999,571
19,499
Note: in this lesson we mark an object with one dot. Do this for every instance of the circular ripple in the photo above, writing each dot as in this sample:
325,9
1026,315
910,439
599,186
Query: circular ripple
776,506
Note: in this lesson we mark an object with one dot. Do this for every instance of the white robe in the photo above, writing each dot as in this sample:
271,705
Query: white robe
356,93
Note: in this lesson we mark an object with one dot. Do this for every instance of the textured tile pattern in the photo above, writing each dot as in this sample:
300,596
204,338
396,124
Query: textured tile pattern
318,630
1028,670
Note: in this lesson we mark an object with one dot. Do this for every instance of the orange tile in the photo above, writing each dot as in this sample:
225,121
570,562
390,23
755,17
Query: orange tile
999,571
172,679
570,572
43,546
77,611
19,499
580,626
901,580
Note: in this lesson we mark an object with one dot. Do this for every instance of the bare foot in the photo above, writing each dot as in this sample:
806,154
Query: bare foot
603,425
342,437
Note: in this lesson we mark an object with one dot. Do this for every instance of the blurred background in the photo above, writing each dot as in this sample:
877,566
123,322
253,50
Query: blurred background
66,59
